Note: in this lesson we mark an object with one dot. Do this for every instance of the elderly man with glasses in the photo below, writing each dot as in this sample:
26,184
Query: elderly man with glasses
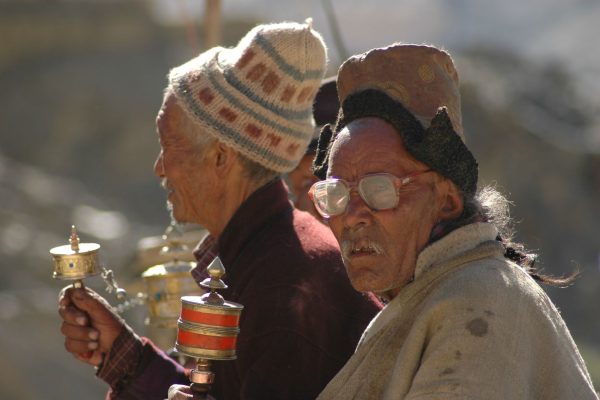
465,315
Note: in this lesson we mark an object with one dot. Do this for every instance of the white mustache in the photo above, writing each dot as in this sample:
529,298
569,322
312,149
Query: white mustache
164,184
349,246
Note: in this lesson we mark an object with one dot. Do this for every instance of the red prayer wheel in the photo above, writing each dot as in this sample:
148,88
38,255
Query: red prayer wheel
208,325
208,330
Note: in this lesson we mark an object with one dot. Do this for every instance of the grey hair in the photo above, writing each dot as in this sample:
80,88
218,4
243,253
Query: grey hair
255,172
489,205
495,208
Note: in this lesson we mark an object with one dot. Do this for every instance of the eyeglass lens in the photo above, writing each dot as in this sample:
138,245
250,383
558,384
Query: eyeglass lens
378,191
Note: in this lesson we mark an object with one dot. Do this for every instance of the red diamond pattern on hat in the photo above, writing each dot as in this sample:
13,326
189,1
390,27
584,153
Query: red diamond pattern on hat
273,139
270,82
228,114
253,130
245,59
206,96
292,149
287,94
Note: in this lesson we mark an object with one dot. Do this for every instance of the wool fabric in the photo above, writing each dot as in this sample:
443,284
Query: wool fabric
472,325
257,96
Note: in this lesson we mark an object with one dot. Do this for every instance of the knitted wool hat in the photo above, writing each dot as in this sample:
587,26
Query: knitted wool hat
415,89
257,97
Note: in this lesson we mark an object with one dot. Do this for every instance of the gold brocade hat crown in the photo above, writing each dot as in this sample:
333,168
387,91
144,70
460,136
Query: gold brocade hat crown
415,89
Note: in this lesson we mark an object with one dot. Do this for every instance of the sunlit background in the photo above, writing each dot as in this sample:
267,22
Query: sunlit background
81,82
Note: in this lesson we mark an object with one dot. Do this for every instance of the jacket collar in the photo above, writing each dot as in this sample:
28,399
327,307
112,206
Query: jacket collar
453,244
254,213
266,202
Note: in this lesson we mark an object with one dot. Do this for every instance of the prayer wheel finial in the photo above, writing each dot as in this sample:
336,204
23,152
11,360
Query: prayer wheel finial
174,245
74,239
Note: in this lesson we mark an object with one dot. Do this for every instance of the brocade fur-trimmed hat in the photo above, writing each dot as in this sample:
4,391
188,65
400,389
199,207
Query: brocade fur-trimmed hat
415,89
325,110
257,97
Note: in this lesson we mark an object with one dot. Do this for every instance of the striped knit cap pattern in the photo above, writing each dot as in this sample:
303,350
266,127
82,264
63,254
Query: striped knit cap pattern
257,96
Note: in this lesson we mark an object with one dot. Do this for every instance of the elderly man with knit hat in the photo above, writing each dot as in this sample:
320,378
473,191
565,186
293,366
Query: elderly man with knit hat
232,121
465,316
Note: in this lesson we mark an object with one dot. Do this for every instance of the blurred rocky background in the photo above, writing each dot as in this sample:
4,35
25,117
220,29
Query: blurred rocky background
81,82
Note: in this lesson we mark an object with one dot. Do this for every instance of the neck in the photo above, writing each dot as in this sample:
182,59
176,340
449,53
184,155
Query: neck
236,191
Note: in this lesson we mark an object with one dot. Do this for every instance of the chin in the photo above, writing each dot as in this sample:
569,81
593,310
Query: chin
362,281
174,215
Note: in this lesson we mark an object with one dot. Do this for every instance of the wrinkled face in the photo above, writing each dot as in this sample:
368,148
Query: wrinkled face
301,179
179,163
380,248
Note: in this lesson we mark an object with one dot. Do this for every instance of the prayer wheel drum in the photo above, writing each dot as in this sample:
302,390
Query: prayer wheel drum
165,284
75,261
208,327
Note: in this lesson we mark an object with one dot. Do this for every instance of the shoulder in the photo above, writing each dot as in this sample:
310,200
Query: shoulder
489,280
489,317
299,239
493,292
301,265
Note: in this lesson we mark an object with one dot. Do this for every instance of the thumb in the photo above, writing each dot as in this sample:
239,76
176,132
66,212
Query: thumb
89,301
102,316
180,392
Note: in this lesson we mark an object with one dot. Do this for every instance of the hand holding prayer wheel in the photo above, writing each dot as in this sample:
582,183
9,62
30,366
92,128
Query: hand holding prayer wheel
90,325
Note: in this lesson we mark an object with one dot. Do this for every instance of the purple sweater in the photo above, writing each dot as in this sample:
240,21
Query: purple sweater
301,320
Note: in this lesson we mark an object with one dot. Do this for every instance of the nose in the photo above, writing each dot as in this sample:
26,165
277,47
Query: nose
357,212
159,169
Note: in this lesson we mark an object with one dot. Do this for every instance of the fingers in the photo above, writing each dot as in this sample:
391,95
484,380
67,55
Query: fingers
85,350
77,332
72,315
180,392
80,347
91,357
90,325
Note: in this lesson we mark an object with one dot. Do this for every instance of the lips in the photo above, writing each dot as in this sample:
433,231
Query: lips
360,248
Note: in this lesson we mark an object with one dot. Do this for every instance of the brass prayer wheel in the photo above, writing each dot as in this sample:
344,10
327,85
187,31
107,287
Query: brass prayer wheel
164,286
75,261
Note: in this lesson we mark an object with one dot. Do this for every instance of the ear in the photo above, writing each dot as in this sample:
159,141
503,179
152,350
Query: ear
224,159
452,201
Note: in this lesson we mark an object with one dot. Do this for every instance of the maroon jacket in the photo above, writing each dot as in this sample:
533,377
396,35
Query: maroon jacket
301,320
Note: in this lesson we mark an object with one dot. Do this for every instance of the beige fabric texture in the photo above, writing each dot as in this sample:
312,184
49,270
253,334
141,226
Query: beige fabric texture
472,325
422,78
